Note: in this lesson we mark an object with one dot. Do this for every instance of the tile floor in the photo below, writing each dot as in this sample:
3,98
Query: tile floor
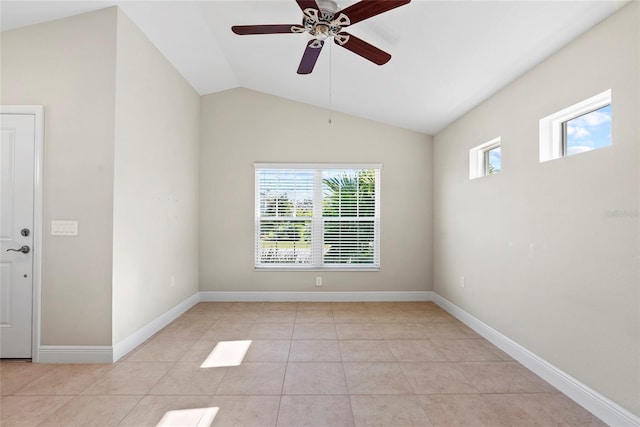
294,364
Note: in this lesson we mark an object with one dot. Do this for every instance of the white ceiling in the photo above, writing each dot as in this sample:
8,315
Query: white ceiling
447,56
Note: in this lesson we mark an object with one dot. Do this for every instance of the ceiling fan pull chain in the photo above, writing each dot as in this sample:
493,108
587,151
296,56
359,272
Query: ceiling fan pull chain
330,81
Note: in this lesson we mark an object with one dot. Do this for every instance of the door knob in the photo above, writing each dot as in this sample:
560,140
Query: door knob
24,249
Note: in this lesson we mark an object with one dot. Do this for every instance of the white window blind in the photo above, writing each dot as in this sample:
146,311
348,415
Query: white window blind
317,216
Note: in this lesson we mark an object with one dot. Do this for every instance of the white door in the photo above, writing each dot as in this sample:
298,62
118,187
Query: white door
17,162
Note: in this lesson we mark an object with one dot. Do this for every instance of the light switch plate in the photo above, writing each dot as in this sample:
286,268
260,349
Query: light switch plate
64,228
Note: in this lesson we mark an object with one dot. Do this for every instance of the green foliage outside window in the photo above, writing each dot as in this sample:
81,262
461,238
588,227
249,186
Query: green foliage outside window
351,196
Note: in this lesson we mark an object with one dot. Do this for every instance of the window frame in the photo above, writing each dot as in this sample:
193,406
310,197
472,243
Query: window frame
553,128
479,158
487,160
317,219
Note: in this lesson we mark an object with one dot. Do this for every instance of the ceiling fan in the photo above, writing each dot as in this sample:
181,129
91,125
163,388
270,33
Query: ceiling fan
323,20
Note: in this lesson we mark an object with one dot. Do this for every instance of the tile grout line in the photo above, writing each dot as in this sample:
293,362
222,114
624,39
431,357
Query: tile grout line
344,372
286,369
215,392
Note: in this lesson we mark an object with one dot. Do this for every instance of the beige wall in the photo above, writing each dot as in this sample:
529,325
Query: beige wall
121,157
69,67
543,262
155,223
240,127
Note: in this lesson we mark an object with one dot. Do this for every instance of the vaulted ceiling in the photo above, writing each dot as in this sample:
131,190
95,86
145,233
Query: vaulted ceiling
447,56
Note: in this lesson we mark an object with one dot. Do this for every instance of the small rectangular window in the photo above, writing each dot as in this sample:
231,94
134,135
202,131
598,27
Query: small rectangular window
317,216
587,132
492,160
582,127
485,159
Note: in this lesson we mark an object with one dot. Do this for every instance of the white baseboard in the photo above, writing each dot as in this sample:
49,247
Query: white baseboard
602,407
141,335
213,296
75,354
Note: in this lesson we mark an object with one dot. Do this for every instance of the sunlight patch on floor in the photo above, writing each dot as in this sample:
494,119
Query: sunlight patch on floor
196,417
227,353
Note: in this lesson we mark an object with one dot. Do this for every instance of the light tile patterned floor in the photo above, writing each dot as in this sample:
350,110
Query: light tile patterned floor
307,364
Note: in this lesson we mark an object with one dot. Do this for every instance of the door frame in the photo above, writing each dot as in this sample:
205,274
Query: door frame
38,112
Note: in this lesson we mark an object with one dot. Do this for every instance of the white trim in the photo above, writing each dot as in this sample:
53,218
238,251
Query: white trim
285,165
211,296
602,407
38,185
476,157
315,225
141,335
75,354
550,127
319,269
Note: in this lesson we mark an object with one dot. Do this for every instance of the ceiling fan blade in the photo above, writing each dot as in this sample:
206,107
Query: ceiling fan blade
306,4
244,30
311,53
362,48
367,8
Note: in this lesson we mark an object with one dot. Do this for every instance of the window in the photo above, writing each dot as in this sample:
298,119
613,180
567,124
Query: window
485,159
492,161
587,132
312,216
585,126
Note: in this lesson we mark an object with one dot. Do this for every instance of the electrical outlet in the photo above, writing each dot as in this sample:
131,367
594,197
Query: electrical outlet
318,280
462,281
173,281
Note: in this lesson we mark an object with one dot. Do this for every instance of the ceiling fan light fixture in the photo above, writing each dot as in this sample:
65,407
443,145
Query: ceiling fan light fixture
321,31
